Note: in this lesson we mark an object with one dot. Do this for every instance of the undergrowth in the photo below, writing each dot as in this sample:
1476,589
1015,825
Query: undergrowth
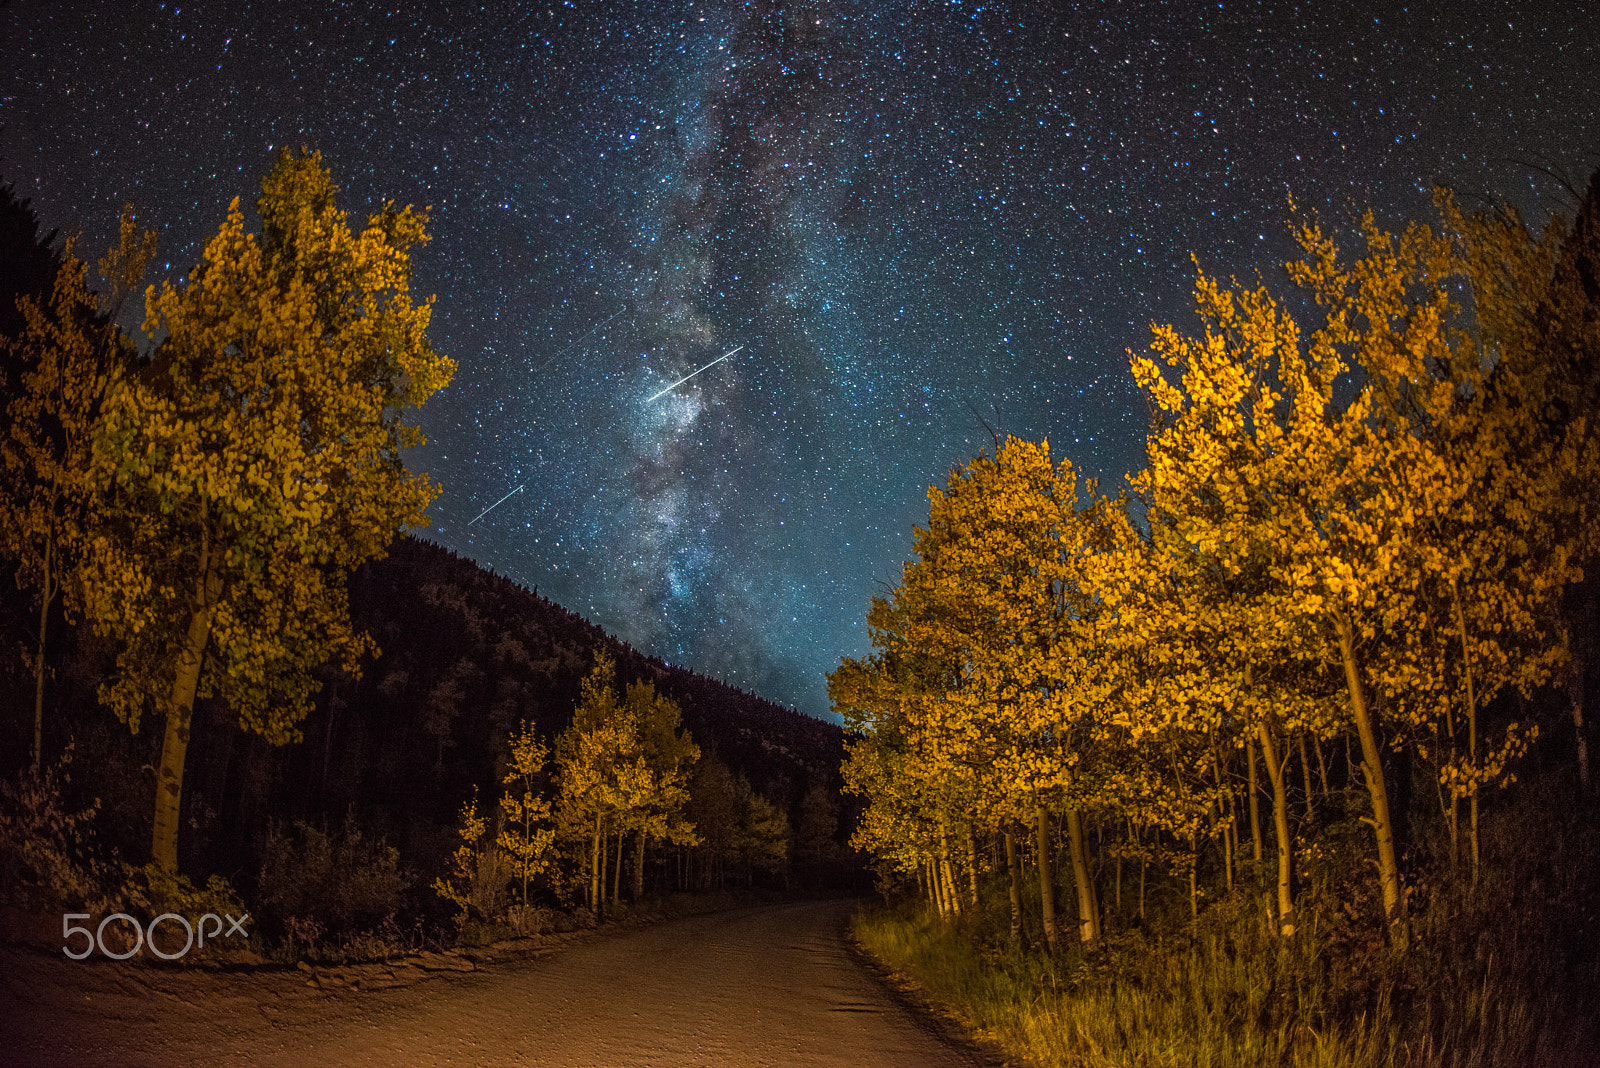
1501,975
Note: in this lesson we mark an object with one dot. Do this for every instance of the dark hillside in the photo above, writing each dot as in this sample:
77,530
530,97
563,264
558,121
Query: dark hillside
465,656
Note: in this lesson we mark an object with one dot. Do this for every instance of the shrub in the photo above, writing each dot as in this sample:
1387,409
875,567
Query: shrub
151,891
479,878
47,856
314,885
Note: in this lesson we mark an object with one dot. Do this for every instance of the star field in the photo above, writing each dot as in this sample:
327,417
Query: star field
920,220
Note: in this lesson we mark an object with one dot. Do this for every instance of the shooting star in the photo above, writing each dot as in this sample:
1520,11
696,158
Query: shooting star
691,374
495,505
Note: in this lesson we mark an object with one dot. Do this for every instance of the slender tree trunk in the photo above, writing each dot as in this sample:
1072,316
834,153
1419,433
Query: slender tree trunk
1575,684
1120,855
47,592
972,869
1194,865
175,742
1144,867
1014,871
1280,822
327,746
1305,768
594,867
1472,723
1255,800
946,869
1372,772
616,875
1047,904
1452,819
1322,765
1223,817
638,870
527,836
1088,906
1227,854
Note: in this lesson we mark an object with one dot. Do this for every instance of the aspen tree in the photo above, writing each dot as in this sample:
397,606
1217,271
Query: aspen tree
1299,487
473,868
1489,570
1534,303
1206,664
73,356
526,836
1002,555
624,766
255,462
910,796
669,755
592,756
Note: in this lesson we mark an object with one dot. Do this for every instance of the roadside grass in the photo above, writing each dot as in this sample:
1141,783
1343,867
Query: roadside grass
1503,975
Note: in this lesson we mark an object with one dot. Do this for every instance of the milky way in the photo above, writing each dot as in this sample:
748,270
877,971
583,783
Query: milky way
922,221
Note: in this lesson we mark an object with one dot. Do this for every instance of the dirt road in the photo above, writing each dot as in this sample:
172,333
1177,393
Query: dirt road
774,985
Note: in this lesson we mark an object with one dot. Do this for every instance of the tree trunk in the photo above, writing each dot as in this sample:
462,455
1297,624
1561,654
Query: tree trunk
1144,868
946,870
616,875
175,742
1120,854
1575,696
638,870
594,868
1305,768
972,869
47,592
1088,906
1472,722
1014,871
1227,853
1255,800
1372,772
1224,818
1047,904
1194,866
1280,822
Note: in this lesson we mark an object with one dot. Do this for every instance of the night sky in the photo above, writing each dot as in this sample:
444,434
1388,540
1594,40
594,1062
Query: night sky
918,219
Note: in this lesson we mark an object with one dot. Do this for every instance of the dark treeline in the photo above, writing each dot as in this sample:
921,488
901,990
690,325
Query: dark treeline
466,656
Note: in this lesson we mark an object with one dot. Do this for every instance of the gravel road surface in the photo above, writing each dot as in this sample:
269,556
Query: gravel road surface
775,985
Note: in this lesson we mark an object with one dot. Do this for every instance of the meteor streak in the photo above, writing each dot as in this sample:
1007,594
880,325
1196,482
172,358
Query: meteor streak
495,505
658,396
691,374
